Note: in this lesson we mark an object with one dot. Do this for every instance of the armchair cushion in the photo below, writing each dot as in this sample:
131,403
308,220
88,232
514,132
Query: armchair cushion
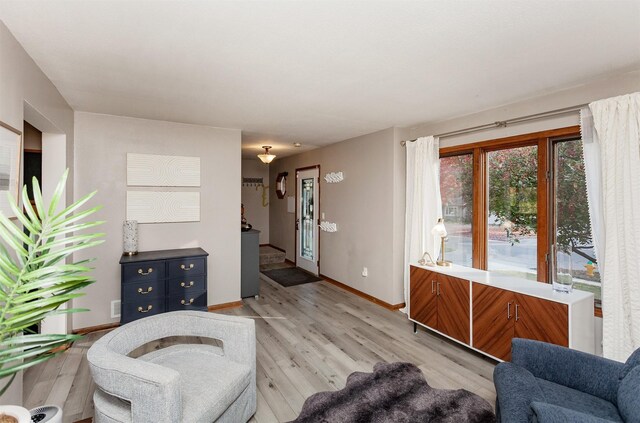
554,414
629,396
575,400
209,382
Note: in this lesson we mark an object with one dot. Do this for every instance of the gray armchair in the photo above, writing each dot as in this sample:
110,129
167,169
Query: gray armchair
180,383
548,383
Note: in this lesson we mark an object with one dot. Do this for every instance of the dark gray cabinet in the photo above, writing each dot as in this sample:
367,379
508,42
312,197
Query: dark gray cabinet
154,282
250,264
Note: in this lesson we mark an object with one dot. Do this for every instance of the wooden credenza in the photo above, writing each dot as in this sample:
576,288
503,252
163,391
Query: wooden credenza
440,302
154,282
484,311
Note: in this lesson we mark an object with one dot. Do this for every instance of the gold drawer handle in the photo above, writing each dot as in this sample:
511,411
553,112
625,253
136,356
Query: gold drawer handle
141,310
140,291
185,268
185,286
183,302
143,273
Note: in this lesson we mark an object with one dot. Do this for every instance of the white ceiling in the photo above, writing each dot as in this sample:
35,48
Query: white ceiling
318,72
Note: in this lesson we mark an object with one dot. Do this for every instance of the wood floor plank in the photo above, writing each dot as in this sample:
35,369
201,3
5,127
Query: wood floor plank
309,338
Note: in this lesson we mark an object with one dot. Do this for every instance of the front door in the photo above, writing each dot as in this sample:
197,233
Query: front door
307,207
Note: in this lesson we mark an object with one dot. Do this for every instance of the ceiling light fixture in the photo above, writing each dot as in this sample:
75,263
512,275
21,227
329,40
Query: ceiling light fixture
297,144
266,157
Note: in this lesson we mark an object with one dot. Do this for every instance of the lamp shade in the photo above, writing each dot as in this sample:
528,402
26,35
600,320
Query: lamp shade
439,230
266,157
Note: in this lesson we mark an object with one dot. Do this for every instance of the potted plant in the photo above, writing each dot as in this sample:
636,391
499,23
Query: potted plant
37,277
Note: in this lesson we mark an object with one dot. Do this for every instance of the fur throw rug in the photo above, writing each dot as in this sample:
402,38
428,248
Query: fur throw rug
398,393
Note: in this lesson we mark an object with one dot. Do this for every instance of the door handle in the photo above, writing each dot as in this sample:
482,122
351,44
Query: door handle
438,289
297,224
508,311
433,286
517,316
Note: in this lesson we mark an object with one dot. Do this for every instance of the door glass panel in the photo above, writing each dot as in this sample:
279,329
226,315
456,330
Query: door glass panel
575,260
456,190
513,211
306,234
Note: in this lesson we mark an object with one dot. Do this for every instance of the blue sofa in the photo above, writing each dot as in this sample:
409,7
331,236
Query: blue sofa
548,383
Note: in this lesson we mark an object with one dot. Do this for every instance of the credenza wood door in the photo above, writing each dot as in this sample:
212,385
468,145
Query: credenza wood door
423,306
541,320
453,307
493,320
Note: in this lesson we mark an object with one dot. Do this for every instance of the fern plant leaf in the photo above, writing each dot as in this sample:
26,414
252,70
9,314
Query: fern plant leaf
39,276
57,193
73,207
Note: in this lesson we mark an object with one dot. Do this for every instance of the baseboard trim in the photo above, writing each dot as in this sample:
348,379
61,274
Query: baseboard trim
89,329
361,294
289,262
223,306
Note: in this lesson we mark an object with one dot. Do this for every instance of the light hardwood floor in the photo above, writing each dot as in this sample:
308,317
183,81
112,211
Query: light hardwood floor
309,339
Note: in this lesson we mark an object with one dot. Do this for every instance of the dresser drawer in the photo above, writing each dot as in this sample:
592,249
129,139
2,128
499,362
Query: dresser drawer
186,285
139,291
141,307
189,301
186,267
144,271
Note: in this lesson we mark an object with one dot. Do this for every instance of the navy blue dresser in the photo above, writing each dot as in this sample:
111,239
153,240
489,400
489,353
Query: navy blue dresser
168,280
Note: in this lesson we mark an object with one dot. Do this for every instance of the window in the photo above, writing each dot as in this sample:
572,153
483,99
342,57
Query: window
518,206
456,190
512,221
574,258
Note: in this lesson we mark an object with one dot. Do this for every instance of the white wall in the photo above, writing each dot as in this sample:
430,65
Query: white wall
102,142
54,149
257,215
22,81
362,205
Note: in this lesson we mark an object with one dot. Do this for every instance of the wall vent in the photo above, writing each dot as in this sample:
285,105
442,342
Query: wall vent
115,309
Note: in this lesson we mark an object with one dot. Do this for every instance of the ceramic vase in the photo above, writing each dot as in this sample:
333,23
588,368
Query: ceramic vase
130,237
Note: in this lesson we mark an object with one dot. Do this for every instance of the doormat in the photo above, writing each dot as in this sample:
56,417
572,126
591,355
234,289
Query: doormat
291,276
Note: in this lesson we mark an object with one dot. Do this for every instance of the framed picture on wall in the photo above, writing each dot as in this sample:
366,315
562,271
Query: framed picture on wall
10,155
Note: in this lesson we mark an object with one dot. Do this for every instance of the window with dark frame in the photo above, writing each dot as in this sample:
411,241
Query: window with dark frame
518,206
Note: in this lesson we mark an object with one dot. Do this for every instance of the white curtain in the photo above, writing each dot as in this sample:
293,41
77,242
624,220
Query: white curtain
423,203
593,176
616,137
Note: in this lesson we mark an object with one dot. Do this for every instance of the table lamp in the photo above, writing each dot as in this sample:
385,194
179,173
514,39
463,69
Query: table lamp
441,231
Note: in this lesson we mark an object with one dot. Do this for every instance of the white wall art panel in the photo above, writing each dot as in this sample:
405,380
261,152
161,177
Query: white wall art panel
153,170
163,207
